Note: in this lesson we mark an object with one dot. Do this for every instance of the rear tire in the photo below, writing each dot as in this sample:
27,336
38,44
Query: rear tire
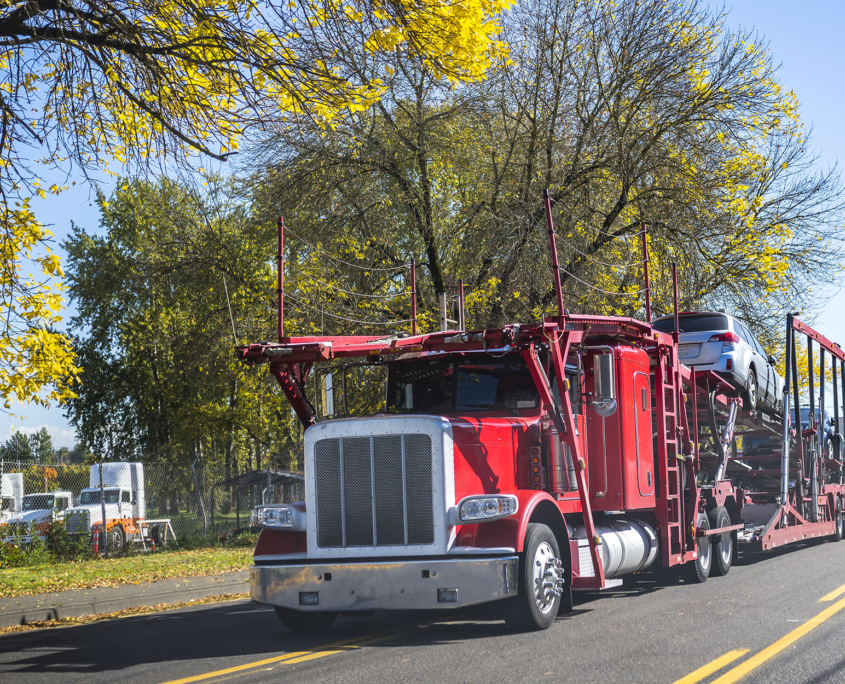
537,605
722,544
749,397
158,535
698,571
307,623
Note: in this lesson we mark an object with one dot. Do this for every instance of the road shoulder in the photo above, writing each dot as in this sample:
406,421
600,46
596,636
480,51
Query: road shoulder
22,610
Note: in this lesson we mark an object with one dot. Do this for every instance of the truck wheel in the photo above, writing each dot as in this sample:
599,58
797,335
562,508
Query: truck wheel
540,582
117,539
157,535
722,544
698,571
297,621
749,397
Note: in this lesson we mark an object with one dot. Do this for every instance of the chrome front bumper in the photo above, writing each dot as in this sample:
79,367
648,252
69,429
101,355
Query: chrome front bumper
410,585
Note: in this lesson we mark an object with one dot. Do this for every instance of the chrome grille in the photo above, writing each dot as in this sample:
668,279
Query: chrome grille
329,496
78,522
374,491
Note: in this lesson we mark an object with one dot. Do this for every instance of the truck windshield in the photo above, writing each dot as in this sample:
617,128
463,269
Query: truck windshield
468,382
93,496
37,502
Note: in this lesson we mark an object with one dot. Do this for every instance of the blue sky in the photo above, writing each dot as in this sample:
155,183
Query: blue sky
803,38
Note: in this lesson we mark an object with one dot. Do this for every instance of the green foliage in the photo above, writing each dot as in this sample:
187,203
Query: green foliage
16,448
38,448
630,113
42,447
153,328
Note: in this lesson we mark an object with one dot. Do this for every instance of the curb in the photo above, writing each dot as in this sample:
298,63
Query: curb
23,610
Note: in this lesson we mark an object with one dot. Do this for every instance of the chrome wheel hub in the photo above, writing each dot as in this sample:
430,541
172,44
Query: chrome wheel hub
726,547
548,577
705,552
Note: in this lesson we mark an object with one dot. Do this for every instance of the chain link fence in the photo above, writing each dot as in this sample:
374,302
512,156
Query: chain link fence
199,502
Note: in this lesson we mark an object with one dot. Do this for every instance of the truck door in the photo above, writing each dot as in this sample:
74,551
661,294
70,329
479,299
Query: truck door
125,504
642,435
62,504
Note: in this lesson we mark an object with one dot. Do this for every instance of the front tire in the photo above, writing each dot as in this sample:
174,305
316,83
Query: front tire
540,583
298,621
158,534
117,539
698,571
722,544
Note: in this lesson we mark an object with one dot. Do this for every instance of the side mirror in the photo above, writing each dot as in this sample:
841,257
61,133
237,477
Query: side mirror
604,396
772,360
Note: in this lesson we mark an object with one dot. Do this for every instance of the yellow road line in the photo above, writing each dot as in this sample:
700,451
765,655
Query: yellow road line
299,656
710,668
833,595
768,653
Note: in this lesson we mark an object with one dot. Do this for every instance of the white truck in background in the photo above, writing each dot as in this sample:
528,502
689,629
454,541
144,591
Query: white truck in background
125,508
37,512
11,495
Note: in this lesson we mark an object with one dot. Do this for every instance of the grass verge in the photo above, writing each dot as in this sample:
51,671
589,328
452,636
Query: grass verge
129,612
112,572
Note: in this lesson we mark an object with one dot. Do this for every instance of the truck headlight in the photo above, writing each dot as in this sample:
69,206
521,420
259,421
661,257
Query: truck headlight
279,517
484,508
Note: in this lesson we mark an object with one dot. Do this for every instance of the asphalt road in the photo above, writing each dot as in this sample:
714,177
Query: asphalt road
767,616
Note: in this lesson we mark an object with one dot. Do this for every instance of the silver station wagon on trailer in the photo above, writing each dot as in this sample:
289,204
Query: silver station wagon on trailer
719,342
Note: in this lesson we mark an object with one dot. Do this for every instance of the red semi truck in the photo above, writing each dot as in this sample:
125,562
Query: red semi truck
522,463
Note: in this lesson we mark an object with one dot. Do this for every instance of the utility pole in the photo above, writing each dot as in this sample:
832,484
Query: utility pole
104,540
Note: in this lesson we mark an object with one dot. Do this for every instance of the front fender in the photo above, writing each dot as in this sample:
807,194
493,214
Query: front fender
273,543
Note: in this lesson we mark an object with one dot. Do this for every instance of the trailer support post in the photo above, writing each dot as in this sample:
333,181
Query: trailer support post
676,334
784,474
834,443
547,203
841,445
414,297
821,426
726,441
462,319
644,236
814,484
281,288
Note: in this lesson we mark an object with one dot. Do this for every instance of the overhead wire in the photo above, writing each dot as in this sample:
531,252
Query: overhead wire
596,287
341,261
604,263
361,294
344,318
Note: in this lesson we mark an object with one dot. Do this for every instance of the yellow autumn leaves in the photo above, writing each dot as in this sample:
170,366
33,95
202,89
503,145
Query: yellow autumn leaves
142,82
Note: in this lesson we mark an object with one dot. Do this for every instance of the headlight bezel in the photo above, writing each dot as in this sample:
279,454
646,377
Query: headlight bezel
286,517
482,508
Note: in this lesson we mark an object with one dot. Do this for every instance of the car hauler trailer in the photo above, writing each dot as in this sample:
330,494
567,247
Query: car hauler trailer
521,463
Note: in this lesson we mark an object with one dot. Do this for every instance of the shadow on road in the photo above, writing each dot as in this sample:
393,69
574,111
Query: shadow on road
746,559
206,638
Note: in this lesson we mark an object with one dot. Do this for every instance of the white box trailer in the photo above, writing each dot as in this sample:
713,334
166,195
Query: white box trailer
11,495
